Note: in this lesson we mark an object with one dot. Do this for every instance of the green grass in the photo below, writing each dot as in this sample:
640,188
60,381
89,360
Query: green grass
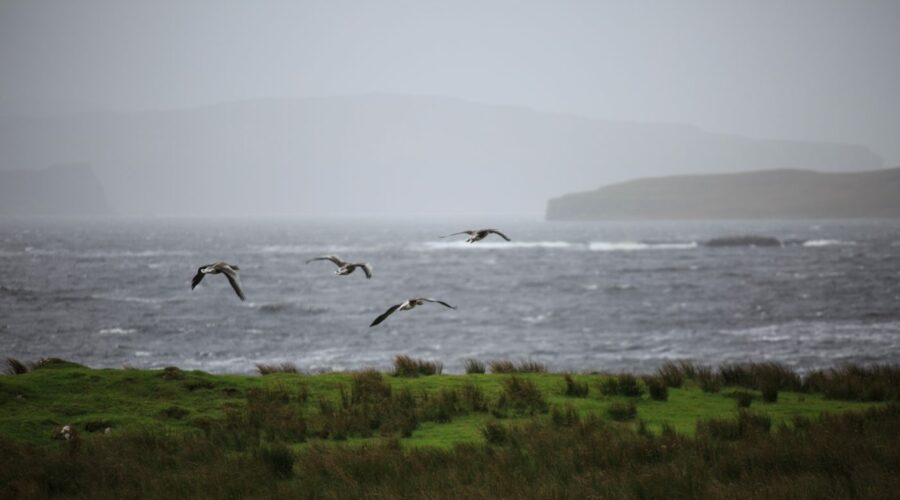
189,434
33,404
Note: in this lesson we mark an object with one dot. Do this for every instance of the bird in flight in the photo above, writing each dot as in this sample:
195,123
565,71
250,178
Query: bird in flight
345,268
406,306
478,234
230,272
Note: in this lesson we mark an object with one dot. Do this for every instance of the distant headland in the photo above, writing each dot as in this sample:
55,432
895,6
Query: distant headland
766,194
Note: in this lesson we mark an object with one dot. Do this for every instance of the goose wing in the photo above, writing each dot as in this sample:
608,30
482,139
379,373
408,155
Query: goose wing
498,233
232,276
441,302
197,277
454,234
366,269
333,258
384,316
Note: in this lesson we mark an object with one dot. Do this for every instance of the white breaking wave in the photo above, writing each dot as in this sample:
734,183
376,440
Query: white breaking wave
596,246
301,249
535,319
626,246
117,331
105,254
495,245
136,300
828,243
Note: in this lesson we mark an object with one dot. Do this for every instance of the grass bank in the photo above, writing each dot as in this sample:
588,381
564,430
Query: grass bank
746,430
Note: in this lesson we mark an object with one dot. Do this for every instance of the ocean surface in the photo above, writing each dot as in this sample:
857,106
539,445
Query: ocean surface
110,292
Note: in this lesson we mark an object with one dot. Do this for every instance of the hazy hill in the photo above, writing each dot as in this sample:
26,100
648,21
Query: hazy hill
58,190
379,153
761,194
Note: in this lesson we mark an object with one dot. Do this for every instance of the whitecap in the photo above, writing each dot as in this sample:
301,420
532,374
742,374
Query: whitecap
300,249
134,253
137,300
106,254
534,319
627,246
117,331
828,243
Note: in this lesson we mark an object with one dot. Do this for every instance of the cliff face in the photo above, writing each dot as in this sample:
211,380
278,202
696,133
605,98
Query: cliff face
58,190
785,194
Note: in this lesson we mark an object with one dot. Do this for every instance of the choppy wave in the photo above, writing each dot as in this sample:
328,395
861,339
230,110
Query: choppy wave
828,243
99,254
496,245
627,246
132,299
620,287
17,292
303,310
586,296
844,334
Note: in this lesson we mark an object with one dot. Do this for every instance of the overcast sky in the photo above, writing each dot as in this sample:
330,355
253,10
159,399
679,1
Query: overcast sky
811,70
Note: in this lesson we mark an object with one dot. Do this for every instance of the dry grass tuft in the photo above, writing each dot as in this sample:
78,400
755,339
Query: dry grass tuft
521,366
405,366
268,369
474,366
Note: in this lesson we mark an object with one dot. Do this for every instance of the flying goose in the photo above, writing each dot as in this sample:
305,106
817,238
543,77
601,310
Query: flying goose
345,268
230,272
478,234
406,306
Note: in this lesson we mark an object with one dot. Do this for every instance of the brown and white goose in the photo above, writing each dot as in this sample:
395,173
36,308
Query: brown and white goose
230,272
478,234
406,306
345,268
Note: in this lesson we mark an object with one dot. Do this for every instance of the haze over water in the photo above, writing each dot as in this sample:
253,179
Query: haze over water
577,296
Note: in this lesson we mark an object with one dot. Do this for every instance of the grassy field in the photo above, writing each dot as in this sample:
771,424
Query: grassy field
183,401
277,423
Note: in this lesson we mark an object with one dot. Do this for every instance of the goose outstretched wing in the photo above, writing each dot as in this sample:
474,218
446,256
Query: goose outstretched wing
498,233
470,232
333,258
232,276
384,315
366,269
441,302
197,277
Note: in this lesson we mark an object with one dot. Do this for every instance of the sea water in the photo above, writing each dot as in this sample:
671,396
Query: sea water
110,292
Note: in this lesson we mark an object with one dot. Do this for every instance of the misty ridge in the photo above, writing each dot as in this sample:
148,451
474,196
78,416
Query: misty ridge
56,190
379,154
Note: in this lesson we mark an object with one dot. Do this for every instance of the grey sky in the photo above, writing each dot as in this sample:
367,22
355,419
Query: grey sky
812,70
